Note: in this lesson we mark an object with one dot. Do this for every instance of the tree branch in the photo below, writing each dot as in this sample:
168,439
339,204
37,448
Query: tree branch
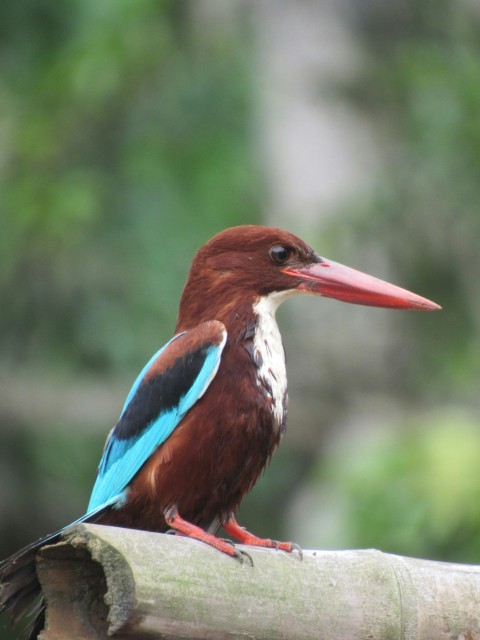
104,582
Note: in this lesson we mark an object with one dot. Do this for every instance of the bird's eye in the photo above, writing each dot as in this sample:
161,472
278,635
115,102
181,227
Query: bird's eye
280,254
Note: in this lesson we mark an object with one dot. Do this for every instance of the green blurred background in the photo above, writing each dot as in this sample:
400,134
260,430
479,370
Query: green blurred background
131,131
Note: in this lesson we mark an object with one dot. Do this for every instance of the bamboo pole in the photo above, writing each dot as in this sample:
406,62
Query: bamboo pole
103,582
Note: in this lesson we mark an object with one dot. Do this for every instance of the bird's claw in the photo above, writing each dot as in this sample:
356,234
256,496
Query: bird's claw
238,554
288,547
296,547
241,556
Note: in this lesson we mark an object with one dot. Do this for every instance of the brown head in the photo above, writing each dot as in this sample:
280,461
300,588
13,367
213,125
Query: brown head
240,265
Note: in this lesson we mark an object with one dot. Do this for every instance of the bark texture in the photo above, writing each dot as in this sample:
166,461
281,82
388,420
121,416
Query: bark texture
104,582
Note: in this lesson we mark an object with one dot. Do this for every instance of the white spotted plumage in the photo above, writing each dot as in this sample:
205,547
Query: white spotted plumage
269,353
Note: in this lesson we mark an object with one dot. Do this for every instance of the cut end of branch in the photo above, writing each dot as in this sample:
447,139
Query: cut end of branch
81,596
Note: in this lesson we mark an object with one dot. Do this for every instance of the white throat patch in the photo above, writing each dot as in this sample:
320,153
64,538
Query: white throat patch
270,354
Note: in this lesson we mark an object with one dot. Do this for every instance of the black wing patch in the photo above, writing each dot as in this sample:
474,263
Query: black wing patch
160,394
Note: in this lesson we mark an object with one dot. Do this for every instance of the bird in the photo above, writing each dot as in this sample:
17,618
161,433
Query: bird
209,409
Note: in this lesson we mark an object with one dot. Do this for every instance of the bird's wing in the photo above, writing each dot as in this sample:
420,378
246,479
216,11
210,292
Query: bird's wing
167,387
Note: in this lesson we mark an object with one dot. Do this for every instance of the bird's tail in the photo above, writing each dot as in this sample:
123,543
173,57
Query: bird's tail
20,589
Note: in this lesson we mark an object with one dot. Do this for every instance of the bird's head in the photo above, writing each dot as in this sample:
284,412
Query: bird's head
242,264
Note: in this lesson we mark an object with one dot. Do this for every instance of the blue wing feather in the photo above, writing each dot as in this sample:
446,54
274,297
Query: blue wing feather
143,372
124,457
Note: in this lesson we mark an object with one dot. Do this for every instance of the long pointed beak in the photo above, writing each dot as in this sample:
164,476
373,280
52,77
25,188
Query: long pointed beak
334,280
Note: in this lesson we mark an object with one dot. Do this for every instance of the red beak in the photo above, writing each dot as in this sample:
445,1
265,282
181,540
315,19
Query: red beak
333,280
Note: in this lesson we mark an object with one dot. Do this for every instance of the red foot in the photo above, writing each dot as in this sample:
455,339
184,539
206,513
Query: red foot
190,530
245,537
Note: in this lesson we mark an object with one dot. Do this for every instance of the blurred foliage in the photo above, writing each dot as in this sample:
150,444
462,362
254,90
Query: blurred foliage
423,90
122,127
412,491
52,468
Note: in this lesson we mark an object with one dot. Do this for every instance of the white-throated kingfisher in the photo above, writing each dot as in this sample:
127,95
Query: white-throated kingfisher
209,409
